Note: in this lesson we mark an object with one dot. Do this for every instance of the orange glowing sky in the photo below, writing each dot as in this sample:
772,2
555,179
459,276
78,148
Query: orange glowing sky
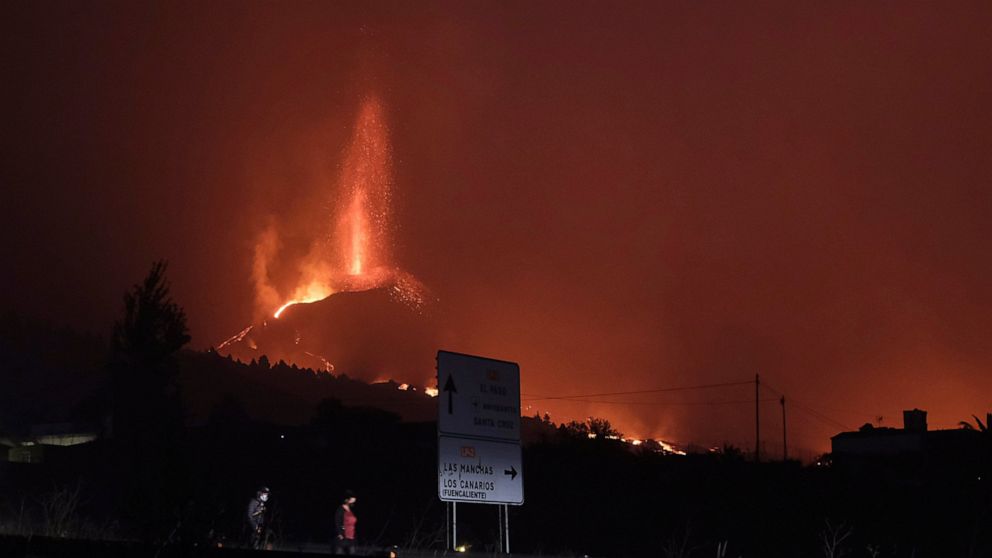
618,199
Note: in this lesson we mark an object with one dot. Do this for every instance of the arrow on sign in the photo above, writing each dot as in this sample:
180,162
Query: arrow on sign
512,471
449,387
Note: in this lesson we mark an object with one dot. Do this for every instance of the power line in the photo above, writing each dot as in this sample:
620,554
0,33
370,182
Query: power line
819,424
635,392
668,403
591,398
809,410
771,389
820,415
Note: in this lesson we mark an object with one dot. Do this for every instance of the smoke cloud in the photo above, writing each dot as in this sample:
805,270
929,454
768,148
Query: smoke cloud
266,248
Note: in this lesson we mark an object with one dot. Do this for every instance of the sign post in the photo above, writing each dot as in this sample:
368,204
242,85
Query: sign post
479,458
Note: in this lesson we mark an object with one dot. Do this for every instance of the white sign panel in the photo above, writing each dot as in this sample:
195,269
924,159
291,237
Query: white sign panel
478,397
479,471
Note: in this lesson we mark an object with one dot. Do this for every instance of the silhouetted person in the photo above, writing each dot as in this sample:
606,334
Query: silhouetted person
256,518
344,525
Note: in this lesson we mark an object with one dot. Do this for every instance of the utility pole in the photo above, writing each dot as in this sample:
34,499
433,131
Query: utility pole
785,440
757,420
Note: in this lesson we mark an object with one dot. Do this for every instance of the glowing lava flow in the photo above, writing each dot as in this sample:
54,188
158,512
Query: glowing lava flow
238,337
283,307
311,293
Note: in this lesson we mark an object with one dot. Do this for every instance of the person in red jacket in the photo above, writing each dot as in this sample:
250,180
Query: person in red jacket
344,523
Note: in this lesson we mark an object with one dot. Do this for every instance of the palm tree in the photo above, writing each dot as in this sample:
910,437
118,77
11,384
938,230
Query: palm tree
980,426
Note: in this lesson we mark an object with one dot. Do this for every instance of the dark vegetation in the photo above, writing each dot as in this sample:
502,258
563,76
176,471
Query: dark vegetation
188,436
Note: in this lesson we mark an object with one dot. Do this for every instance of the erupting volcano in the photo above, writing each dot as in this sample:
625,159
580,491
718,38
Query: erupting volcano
349,309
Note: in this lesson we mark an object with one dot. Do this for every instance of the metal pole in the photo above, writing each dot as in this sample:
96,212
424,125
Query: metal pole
499,534
757,421
454,525
447,524
785,440
506,525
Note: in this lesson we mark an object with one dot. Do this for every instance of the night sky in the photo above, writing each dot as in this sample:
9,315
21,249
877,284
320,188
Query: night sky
617,196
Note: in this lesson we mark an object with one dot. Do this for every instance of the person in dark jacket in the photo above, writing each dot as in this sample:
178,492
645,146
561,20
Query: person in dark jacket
344,525
256,518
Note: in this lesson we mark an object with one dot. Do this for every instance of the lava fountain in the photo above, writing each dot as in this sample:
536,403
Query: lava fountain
357,254
345,279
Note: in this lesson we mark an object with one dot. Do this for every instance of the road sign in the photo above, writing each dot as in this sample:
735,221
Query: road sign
479,471
478,430
478,397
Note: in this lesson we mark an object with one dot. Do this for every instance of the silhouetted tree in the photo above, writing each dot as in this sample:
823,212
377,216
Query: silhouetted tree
833,537
597,428
143,348
575,429
153,327
603,429
148,419
730,452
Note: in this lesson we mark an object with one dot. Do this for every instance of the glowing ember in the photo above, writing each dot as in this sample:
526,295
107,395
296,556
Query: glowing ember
431,391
